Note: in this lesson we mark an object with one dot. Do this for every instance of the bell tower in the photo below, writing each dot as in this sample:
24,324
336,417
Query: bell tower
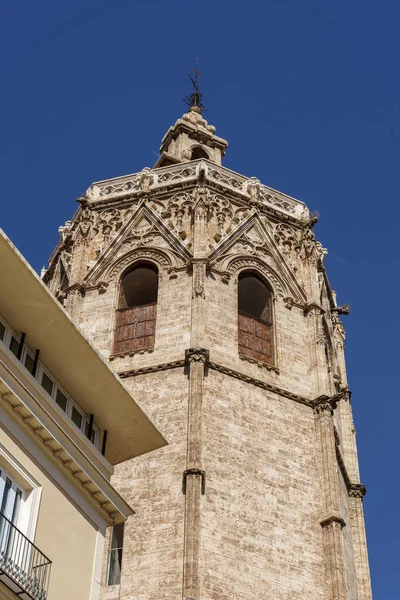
207,292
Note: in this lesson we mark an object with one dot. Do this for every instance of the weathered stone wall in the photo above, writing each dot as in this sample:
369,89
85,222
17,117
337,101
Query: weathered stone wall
260,532
152,484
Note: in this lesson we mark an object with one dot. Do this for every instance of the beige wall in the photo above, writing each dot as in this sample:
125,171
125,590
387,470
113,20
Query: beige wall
64,533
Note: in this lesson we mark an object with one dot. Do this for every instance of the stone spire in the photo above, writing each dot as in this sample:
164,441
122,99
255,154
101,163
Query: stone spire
189,139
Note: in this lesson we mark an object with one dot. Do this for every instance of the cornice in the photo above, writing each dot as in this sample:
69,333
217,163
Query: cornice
202,354
249,189
75,455
151,369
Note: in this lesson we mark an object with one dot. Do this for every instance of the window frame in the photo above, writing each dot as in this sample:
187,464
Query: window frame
31,492
9,334
110,552
271,324
120,308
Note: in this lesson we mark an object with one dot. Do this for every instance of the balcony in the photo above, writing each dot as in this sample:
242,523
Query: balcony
23,568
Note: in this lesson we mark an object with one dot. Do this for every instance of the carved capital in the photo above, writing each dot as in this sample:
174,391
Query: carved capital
76,287
328,404
195,355
333,519
357,490
313,308
194,473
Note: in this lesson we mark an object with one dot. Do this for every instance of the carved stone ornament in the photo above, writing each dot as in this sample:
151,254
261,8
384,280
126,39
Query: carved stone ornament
198,278
289,302
146,179
63,230
85,225
357,490
102,287
252,187
325,404
333,520
225,277
195,355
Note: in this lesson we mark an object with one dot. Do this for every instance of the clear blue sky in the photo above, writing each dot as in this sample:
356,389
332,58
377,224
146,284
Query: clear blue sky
308,96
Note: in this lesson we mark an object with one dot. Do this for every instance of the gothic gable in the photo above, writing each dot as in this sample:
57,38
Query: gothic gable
253,244
144,230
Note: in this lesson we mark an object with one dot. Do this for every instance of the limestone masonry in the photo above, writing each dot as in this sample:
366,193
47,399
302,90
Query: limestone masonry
257,495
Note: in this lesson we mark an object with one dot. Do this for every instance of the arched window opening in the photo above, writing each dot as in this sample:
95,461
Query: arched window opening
255,318
199,152
137,310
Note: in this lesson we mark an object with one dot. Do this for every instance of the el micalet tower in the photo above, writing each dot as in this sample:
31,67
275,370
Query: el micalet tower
206,291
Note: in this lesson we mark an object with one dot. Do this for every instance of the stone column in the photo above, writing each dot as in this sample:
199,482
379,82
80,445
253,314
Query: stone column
194,477
356,494
331,521
319,368
199,265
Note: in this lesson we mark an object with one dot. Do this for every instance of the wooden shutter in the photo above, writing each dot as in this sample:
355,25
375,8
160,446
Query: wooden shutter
255,338
135,328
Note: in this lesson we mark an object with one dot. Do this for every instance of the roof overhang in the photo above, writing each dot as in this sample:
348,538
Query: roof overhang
29,307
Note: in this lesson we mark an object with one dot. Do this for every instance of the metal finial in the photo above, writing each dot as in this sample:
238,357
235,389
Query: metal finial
195,99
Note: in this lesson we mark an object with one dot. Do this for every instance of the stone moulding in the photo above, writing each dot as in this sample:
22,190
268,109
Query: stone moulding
198,354
320,404
151,369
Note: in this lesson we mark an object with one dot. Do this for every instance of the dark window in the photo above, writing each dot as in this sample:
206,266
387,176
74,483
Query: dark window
115,555
14,346
255,318
61,400
2,331
137,309
76,417
29,363
47,384
199,152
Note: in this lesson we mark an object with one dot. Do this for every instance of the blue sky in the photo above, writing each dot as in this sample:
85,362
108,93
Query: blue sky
308,96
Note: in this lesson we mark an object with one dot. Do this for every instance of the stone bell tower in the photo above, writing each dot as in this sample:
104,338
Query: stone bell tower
207,292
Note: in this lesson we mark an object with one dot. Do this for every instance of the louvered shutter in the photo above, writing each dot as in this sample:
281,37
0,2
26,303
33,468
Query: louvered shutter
135,328
255,338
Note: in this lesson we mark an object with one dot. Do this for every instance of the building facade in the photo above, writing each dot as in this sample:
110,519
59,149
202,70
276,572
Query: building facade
60,436
207,293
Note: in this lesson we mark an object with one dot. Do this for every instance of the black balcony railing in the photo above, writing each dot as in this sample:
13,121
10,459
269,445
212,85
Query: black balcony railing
23,568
